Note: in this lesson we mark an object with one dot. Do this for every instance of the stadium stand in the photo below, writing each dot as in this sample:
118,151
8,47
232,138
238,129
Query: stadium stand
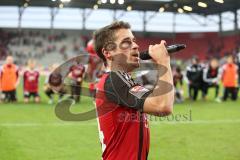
41,45
205,45
3,41
65,44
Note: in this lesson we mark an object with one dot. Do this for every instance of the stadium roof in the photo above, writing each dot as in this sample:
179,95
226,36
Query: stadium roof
213,6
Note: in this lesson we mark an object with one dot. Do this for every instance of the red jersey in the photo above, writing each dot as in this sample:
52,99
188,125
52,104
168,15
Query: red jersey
77,71
31,80
123,128
177,78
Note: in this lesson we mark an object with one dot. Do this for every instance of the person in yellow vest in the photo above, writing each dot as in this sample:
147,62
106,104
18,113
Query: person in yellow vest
230,79
9,80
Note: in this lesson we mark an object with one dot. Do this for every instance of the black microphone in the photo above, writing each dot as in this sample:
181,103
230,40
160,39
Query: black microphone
171,49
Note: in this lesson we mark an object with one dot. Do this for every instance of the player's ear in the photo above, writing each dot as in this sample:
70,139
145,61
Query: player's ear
106,54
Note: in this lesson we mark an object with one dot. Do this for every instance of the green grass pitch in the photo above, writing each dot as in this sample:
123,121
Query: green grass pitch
200,131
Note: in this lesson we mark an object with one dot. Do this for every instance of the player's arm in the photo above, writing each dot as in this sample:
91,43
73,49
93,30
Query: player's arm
24,78
188,73
122,90
237,74
181,83
160,101
70,75
18,78
181,79
46,83
222,72
0,82
205,79
84,77
0,73
218,77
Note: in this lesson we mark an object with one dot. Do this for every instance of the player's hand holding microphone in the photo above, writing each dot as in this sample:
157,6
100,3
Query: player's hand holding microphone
159,53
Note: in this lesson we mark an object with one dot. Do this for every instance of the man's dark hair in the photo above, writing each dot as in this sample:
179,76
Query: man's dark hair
107,34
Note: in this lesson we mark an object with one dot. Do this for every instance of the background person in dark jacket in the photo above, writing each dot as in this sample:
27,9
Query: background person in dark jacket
194,77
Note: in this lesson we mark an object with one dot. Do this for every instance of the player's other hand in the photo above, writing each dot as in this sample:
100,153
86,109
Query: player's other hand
159,53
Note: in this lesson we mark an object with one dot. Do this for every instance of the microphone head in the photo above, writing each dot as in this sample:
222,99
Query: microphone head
181,46
175,48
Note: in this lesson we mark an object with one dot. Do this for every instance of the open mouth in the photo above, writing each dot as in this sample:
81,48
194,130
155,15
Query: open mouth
135,55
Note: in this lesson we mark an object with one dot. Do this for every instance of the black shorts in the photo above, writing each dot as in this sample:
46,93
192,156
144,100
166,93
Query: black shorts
9,95
30,94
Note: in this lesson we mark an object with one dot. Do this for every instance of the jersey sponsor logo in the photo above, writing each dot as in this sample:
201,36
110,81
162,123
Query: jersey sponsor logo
138,91
31,78
77,72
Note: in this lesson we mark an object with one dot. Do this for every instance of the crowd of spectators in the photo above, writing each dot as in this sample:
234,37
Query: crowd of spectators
38,44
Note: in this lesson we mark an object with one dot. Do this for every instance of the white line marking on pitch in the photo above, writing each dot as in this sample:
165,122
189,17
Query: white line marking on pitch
93,123
227,121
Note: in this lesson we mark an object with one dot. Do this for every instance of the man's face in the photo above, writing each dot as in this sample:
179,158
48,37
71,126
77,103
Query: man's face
31,64
214,63
194,61
9,60
230,59
126,54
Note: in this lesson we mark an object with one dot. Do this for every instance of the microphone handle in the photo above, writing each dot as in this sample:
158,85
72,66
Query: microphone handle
171,49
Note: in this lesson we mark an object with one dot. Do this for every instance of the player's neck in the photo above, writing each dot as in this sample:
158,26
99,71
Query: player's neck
116,67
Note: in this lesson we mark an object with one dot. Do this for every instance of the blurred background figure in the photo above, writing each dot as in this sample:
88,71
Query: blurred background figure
178,84
76,75
230,79
93,59
9,80
238,64
194,78
1,96
100,72
211,78
94,65
48,90
31,82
